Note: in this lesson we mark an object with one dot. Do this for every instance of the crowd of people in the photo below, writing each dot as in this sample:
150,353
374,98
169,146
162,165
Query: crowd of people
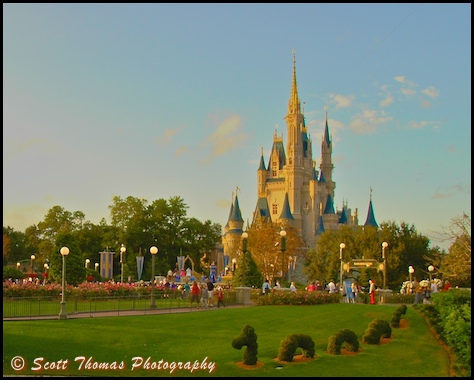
203,295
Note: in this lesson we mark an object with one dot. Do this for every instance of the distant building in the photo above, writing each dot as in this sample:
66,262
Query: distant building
291,190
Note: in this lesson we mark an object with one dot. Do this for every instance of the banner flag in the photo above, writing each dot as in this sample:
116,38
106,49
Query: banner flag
140,260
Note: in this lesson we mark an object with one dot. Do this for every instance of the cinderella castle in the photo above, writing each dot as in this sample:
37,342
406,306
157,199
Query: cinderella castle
290,188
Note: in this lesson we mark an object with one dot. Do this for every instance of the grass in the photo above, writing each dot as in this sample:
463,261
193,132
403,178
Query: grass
205,337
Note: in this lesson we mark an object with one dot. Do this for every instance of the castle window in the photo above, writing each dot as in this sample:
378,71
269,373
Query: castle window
274,169
274,209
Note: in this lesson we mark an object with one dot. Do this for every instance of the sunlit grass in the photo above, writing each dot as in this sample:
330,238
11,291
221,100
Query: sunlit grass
205,337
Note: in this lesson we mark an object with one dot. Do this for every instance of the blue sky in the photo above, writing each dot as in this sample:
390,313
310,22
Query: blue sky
162,100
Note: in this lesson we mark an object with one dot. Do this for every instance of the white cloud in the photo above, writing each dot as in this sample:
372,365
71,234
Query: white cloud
368,121
431,92
228,136
342,101
408,91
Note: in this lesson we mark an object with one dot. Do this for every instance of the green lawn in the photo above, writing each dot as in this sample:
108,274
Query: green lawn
203,339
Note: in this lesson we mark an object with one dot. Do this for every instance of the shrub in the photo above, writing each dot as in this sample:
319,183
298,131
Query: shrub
291,343
345,335
377,329
300,297
247,338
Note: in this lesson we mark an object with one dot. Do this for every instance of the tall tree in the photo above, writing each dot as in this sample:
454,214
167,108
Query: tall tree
456,265
264,241
75,270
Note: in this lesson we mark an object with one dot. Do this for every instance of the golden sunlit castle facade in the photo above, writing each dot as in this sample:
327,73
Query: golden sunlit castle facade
292,189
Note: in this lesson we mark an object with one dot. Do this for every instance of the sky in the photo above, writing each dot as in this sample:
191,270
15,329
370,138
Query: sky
158,100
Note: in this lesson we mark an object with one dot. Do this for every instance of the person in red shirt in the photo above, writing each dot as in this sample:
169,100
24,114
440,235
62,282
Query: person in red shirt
220,297
446,286
311,287
195,292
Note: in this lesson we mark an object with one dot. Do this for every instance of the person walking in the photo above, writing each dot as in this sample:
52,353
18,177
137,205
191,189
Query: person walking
186,290
220,297
311,287
266,287
354,292
372,292
293,286
210,290
195,292
204,296
332,287
418,292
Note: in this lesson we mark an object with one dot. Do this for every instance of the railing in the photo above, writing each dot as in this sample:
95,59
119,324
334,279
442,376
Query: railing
49,307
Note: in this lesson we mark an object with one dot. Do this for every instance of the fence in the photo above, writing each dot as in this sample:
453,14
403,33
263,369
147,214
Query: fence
77,306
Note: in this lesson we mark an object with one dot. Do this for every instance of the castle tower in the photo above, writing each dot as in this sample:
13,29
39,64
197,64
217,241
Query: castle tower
290,190
233,231
370,221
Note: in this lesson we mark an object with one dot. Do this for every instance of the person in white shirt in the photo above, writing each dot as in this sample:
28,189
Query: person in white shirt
332,287
293,287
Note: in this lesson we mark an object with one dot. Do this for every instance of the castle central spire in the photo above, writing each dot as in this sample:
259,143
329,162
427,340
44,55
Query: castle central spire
294,103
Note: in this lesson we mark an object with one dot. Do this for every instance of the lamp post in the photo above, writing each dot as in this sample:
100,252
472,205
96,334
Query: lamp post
384,245
32,257
245,236
411,270
96,266
153,251
63,315
431,269
122,251
341,246
87,263
283,249
18,266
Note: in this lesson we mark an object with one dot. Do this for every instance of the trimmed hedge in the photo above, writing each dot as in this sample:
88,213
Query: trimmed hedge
346,336
291,343
247,338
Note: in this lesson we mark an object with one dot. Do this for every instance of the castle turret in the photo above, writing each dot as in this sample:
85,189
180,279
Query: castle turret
370,221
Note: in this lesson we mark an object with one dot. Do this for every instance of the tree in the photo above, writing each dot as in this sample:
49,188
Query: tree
75,270
15,246
405,247
456,265
247,272
264,242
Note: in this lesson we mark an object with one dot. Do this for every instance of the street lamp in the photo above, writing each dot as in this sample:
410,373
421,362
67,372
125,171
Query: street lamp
64,252
245,236
153,251
411,270
341,246
96,266
384,245
283,249
18,266
87,263
122,251
32,257
431,269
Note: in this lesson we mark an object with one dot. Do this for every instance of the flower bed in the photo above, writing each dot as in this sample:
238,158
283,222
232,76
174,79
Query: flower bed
83,290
